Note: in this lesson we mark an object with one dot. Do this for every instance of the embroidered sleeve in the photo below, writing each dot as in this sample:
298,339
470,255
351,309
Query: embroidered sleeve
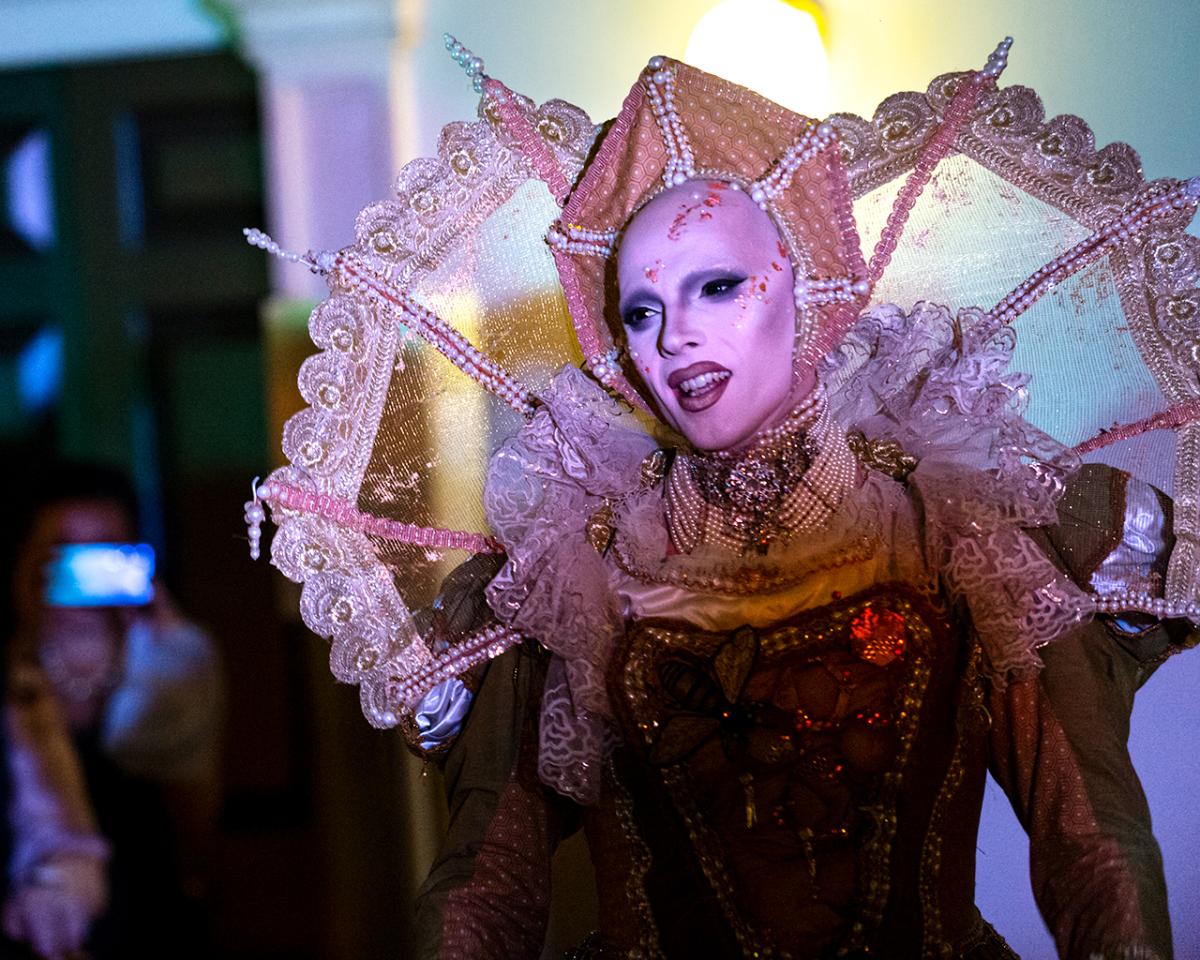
1059,751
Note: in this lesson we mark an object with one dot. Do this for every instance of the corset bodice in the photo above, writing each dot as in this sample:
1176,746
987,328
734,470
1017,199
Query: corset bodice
804,773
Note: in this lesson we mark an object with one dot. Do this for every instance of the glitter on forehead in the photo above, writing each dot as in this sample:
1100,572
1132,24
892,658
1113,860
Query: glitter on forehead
704,204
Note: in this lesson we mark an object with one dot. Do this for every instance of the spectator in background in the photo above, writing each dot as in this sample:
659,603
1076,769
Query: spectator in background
139,689
56,884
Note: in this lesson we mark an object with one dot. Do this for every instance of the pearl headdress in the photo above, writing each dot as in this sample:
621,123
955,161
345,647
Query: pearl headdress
470,266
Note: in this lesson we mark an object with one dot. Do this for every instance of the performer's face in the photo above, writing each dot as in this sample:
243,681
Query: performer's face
707,303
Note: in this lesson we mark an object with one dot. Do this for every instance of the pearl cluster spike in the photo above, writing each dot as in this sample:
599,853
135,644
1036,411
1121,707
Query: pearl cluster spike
998,59
1162,199
660,88
352,272
606,367
815,138
321,262
377,285
816,291
573,238
472,64
255,515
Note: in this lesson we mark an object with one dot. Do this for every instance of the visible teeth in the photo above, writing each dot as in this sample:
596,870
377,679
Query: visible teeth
705,379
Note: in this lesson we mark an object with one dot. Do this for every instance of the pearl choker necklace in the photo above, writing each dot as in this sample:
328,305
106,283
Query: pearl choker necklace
788,480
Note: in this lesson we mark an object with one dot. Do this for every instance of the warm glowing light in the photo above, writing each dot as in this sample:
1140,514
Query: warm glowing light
774,47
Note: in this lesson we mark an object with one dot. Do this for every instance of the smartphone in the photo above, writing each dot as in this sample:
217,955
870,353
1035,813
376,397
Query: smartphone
101,575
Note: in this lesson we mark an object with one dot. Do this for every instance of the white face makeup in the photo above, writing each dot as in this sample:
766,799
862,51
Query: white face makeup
707,303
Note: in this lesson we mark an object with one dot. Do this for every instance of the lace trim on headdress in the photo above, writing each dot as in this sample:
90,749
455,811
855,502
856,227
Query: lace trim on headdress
1056,160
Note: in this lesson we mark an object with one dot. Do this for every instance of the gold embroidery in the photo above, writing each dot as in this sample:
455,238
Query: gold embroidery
822,639
886,456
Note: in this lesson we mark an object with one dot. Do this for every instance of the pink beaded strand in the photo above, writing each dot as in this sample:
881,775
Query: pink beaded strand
486,643
344,514
1169,419
934,151
531,144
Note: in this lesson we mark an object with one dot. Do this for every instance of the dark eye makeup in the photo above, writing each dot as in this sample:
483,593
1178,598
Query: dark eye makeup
637,316
720,286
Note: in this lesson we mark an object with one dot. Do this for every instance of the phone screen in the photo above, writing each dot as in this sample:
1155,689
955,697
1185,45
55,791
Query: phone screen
101,575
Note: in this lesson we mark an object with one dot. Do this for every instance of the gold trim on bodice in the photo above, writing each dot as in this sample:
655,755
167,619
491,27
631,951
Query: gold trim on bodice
783,752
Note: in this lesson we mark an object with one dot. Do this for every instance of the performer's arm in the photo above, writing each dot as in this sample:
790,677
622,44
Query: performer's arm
1059,751
1060,741
488,892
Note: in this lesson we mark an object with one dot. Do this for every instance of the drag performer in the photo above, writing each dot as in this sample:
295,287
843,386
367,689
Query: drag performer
767,592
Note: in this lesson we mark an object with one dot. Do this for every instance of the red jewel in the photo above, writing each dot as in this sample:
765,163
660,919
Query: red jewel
878,637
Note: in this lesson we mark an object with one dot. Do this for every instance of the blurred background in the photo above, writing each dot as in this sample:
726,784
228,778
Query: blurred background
137,138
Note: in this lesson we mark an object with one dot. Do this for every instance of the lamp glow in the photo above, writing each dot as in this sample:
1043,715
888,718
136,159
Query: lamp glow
774,47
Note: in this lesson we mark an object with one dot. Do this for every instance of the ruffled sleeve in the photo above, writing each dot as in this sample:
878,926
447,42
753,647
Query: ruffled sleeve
543,485
938,385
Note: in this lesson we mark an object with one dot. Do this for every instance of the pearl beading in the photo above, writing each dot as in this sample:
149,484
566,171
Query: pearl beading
348,269
1163,199
806,412
750,580
1128,601
471,64
816,291
377,285
997,60
288,497
316,262
815,138
486,643
574,238
606,367
660,88
254,516
815,494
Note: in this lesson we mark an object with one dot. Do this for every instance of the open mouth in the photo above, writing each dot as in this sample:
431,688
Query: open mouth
699,386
